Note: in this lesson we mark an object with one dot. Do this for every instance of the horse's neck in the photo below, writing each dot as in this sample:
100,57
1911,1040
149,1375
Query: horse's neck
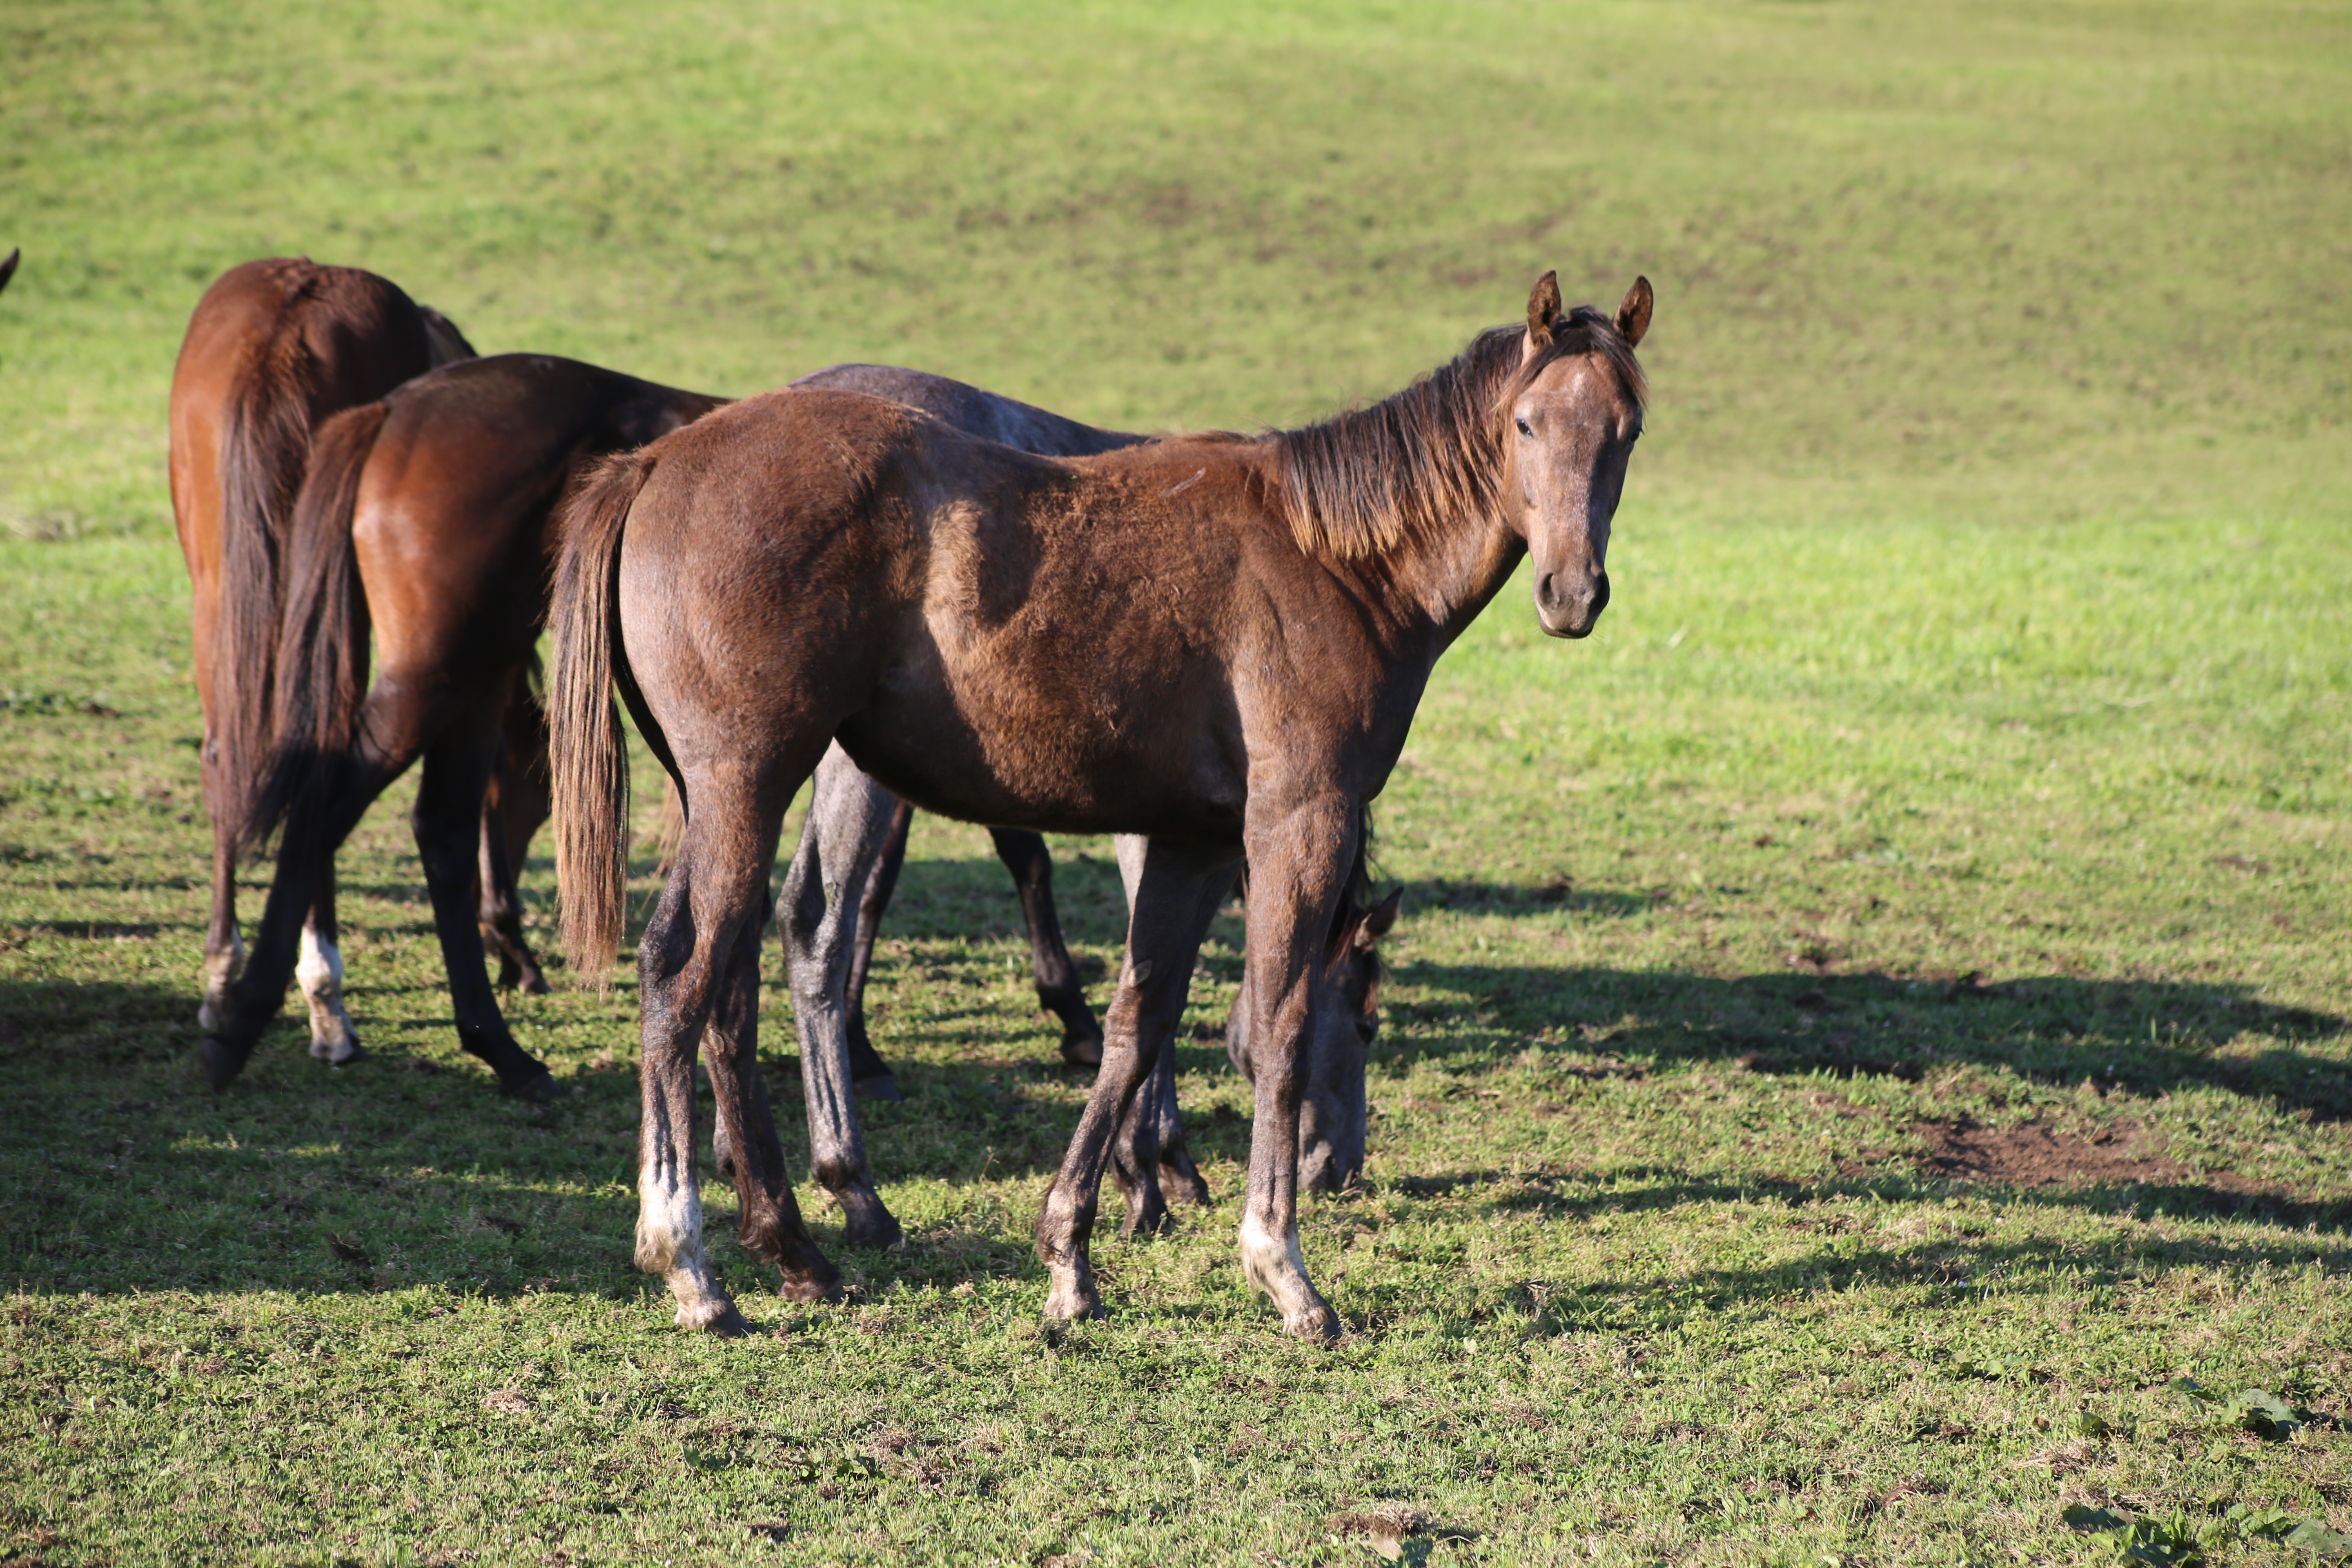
1436,586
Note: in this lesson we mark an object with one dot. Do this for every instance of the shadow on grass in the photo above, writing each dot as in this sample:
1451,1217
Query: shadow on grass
2141,1038
129,1176
1954,1270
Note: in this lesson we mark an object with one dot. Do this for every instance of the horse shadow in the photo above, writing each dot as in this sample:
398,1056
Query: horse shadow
2134,1037
408,1170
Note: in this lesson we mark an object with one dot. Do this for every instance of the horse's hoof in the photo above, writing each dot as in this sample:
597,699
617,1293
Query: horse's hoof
1073,1304
538,1086
811,1285
1185,1187
340,1053
222,1062
718,1318
1081,1050
883,1087
1149,1219
534,984
1319,1324
882,1235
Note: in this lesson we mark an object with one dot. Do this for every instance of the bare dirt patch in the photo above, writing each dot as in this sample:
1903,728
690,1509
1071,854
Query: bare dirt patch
2039,1156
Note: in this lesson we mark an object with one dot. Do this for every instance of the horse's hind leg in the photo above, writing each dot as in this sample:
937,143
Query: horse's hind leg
1058,991
315,828
512,810
849,819
1153,1132
1179,1178
448,819
319,972
867,1070
224,946
698,972
770,1223
1177,892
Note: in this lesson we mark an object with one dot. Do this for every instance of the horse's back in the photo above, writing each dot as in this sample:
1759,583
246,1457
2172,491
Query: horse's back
452,517
987,415
527,408
998,635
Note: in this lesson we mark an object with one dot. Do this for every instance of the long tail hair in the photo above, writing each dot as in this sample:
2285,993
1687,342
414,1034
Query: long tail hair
323,645
264,445
590,764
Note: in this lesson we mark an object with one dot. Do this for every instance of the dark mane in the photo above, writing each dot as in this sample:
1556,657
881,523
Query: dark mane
1403,468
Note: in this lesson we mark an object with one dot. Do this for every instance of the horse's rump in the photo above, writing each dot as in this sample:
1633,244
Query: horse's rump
300,341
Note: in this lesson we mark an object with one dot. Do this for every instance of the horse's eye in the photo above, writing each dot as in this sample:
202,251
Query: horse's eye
1523,427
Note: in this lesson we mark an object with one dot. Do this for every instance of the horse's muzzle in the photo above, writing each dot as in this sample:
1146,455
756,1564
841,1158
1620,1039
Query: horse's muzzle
1569,608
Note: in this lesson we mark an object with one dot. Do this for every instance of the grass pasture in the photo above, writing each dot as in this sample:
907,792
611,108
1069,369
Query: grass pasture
1867,1025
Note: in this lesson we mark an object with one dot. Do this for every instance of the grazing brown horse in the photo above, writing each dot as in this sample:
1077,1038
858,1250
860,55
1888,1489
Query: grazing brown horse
275,348
1216,642
423,518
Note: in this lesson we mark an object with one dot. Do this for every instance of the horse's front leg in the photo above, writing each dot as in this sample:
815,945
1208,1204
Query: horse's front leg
850,817
1176,895
1299,859
516,805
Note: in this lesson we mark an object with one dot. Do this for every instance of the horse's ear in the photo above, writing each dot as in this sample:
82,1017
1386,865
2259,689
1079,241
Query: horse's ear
1633,312
1543,312
1379,919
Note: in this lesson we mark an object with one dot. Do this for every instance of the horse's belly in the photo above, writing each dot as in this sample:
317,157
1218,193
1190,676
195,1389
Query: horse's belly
1072,757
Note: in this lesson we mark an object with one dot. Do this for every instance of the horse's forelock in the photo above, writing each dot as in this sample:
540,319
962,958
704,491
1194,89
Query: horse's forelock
1584,330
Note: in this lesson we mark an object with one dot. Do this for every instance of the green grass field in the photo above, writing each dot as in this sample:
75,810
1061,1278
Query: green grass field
1867,1027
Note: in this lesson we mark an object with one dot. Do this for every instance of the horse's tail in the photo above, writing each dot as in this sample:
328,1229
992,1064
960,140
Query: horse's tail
322,646
590,765
265,444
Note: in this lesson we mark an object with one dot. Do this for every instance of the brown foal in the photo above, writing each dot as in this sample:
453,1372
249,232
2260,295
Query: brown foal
1216,642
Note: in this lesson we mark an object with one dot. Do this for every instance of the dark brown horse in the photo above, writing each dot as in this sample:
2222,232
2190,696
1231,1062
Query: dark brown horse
422,519
1216,642
855,837
275,348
